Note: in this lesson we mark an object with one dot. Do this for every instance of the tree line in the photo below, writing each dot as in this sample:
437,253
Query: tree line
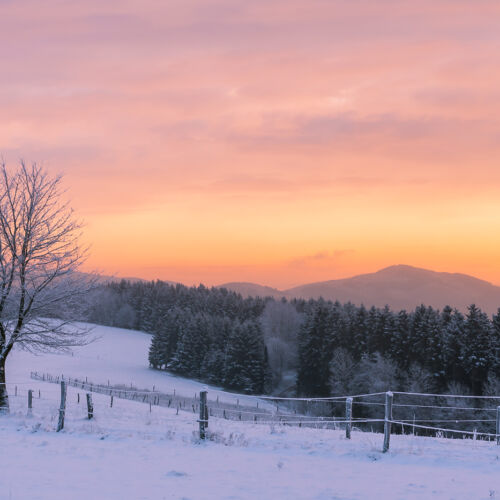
310,348
210,334
345,349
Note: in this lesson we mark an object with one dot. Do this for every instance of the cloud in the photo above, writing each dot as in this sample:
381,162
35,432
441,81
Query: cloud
321,258
284,112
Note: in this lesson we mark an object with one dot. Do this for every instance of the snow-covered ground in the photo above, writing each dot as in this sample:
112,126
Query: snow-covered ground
128,452
118,356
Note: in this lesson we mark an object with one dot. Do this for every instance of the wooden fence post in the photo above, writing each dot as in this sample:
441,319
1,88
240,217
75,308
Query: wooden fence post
387,421
498,425
348,417
203,414
111,402
62,408
30,402
90,407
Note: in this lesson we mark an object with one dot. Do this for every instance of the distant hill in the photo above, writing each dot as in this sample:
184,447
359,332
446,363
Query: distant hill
253,290
104,279
401,287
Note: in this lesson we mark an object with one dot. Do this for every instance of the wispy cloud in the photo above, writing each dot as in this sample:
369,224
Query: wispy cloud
321,258
280,126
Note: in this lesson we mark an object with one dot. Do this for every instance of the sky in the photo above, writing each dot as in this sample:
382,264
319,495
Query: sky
279,142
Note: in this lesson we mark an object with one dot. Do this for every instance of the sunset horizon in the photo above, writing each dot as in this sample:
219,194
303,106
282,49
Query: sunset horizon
278,143
249,249
400,267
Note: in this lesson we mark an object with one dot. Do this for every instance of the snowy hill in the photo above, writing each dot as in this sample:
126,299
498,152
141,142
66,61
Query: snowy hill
117,355
132,451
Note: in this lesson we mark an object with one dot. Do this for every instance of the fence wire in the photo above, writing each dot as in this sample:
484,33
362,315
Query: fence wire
324,412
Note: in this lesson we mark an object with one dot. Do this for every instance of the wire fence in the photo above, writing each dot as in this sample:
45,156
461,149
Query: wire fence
425,414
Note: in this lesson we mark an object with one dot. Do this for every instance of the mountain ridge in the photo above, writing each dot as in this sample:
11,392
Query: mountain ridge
399,286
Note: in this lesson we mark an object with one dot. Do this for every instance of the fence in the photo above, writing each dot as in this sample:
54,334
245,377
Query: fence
401,416
307,412
217,408
390,412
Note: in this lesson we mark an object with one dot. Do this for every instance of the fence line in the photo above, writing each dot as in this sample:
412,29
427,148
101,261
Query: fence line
157,398
326,399
458,431
15,383
444,420
445,395
444,407
315,422
75,382
277,418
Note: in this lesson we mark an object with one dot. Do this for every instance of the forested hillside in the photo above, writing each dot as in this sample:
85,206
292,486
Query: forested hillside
256,345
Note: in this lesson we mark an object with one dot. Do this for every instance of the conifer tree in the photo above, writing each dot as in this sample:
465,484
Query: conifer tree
496,343
401,341
476,351
360,332
314,357
155,358
245,362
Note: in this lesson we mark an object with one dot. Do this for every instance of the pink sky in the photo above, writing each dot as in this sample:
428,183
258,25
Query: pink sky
279,142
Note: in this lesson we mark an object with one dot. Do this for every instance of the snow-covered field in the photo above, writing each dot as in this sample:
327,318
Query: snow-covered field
128,452
118,356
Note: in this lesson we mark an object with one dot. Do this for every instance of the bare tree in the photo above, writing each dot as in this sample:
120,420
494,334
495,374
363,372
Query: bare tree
39,259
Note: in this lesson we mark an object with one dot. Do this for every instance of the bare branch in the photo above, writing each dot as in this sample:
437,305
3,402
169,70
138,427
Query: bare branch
40,255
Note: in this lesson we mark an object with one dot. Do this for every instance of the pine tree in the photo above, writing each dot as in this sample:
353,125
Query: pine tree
169,331
387,328
476,351
495,343
453,327
245,360
434,353
155,358
314,356
359,344
401,341
190,350
419,335
373,331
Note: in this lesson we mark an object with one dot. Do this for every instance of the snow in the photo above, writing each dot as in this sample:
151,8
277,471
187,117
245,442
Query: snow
118,355
128,452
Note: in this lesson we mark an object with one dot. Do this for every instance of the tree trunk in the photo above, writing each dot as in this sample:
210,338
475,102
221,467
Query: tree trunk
4,397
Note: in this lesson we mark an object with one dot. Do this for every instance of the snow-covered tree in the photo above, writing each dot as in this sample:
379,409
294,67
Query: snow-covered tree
245,362
315,341
40,254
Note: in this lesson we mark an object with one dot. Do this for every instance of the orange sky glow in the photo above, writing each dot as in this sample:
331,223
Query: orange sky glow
279,142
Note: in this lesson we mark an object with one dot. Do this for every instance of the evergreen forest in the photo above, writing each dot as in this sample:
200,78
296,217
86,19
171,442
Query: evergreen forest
310,348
